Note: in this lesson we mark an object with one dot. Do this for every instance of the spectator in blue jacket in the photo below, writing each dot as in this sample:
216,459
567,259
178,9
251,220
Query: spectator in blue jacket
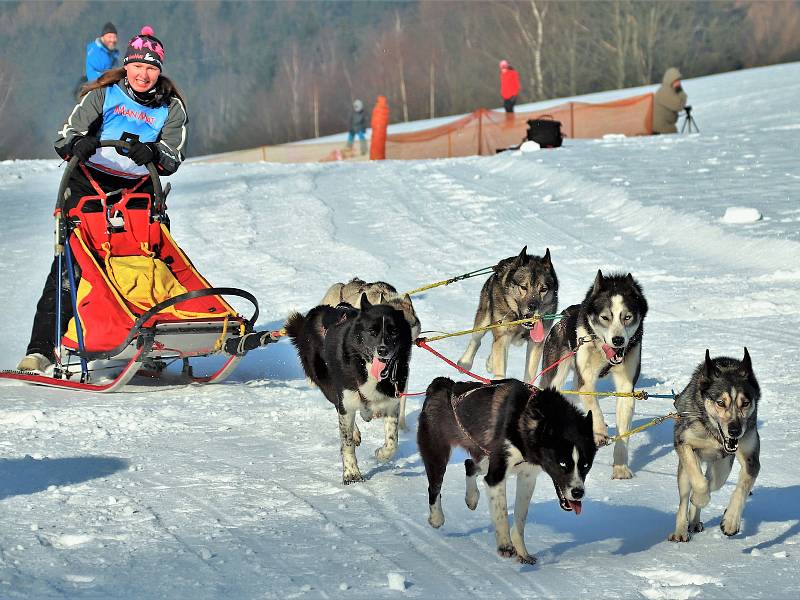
102,53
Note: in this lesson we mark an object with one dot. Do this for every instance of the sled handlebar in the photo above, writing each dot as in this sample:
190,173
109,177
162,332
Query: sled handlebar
158,192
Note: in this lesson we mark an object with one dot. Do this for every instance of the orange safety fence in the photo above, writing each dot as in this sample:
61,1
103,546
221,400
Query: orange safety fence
483,131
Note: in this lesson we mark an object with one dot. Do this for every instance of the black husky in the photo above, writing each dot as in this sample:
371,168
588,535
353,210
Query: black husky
359,359
506,428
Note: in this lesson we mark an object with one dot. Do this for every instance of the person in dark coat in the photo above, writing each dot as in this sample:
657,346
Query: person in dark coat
670,99
357,127
509,85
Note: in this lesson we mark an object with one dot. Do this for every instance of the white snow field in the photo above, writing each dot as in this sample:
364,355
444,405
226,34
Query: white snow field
234,491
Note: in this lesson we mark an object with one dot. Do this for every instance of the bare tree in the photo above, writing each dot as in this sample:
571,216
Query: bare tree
291,66
531,29
398,30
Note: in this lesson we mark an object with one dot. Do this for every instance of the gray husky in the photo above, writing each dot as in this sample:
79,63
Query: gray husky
520,287
606,329
717,414
377,292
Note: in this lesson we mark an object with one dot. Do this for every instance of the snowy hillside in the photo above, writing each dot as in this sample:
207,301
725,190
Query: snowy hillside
234,491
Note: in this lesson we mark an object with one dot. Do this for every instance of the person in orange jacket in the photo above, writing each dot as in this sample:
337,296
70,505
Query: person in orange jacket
509,85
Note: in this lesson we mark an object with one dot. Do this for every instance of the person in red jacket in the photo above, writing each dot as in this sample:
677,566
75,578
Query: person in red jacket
509,85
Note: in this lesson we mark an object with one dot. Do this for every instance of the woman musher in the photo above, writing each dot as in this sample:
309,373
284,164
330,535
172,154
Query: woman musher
134,103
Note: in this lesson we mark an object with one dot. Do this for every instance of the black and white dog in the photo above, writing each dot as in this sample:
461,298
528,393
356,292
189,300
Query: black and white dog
507,429
606,328
359,359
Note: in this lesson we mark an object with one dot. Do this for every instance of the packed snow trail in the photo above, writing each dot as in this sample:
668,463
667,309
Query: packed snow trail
235,490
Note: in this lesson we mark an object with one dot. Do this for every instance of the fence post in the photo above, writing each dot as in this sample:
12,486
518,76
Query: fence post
379,123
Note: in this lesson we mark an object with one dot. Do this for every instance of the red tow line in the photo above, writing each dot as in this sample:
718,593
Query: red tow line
423,344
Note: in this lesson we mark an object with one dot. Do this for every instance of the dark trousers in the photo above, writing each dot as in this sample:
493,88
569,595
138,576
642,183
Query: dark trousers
509,104
43,333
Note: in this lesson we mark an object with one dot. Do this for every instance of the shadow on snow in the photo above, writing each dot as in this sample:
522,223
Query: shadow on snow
23,476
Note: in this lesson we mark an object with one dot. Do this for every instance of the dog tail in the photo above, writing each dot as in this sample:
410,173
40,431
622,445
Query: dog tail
295,326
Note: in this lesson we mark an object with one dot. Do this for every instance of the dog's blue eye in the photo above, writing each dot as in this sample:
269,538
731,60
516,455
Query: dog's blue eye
563,465
628,318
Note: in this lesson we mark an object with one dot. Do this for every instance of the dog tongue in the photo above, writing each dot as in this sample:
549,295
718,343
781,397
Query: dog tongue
376,368
537,332
611,354
575,506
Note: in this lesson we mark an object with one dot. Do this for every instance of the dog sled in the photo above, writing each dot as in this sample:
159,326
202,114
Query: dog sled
139,304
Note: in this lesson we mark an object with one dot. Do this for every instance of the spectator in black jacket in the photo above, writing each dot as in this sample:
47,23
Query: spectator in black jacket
358,127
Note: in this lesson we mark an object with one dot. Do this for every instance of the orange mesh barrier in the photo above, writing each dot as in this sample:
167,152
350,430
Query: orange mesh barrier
484,131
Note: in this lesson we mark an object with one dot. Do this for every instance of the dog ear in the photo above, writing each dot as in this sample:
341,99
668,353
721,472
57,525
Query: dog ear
747,365
709,368
546,258
406,300
520,259
365,303
629,278
588,423
598,282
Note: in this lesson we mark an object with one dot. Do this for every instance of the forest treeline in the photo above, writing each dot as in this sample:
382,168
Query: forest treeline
270,72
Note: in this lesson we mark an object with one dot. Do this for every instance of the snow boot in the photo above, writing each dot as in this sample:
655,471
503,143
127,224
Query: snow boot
34,362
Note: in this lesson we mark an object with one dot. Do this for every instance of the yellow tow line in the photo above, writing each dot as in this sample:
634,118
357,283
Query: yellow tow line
653,423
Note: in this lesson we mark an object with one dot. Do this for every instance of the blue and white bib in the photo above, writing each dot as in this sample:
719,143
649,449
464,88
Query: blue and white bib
124,118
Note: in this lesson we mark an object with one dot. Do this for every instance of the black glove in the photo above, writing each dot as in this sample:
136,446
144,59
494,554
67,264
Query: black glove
142,154
84,146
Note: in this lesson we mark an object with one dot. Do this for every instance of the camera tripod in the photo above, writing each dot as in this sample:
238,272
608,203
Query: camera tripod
689,123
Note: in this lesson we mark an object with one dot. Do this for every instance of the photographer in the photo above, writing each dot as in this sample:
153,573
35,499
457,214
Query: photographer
670,99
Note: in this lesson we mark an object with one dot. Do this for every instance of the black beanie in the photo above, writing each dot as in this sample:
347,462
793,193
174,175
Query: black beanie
145,49
108,28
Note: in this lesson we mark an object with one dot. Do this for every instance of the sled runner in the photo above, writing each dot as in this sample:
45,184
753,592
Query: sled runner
139,299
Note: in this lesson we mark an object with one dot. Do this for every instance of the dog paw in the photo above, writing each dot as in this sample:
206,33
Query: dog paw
464,364
436,519
472,501
528,559
730,526
384,454
697,527
601,439
621,472
506,551
355,477
700,498
679,536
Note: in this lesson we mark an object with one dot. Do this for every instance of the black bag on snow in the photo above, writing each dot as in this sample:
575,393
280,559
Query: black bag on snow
545,131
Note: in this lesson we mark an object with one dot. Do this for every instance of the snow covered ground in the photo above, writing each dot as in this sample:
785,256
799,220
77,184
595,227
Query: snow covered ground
171,491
